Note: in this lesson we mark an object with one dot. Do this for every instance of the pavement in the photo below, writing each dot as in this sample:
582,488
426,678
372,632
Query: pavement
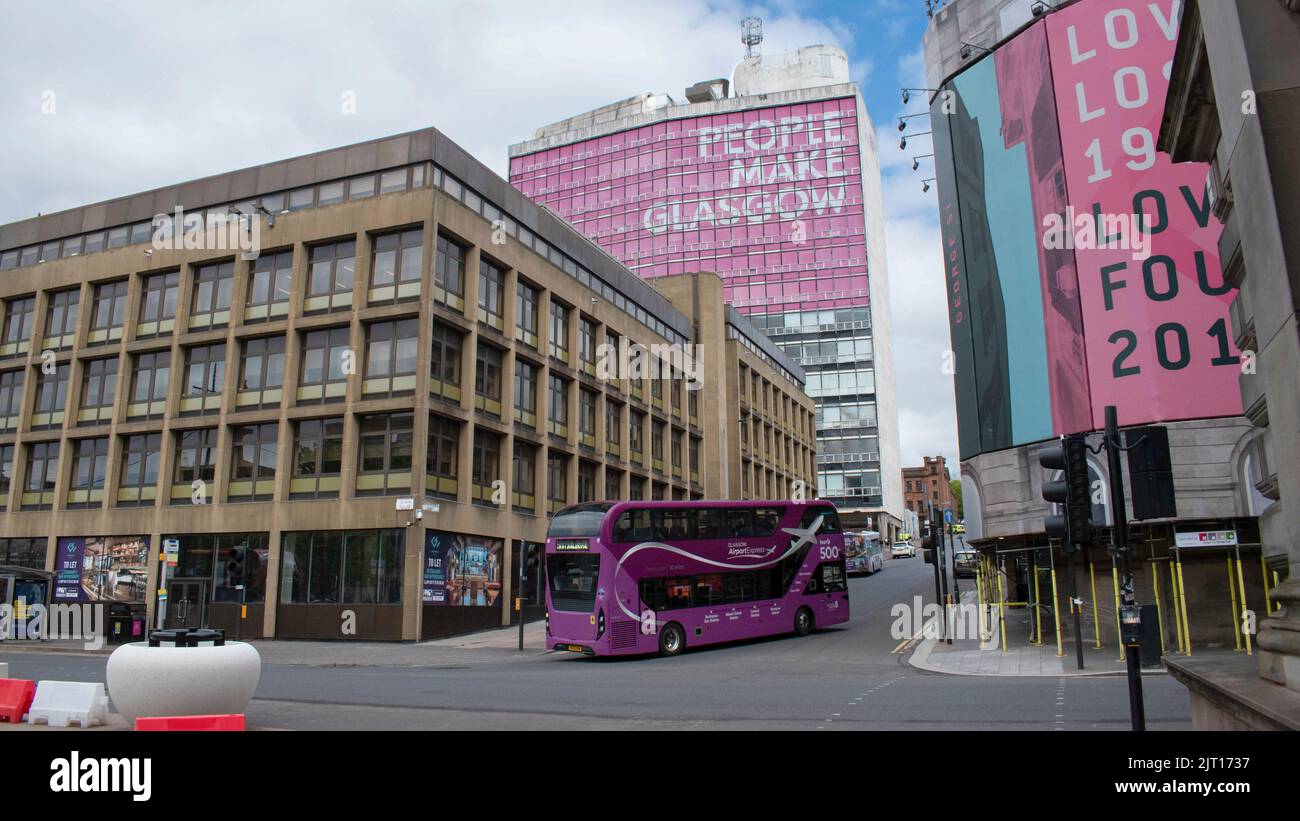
973,654
854,676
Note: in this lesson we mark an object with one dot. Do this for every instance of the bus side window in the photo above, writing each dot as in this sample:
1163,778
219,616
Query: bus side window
673,524
789,566
738,587
653,594
633,526
740,522
711,525
678,593
831,522
830,518
766,520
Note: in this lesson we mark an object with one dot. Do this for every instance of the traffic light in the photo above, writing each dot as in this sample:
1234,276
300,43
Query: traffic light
235,566
1072,492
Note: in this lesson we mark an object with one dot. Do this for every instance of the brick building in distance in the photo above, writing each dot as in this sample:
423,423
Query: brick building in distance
928,483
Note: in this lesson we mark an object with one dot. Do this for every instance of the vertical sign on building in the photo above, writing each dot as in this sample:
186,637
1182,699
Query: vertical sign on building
1159,344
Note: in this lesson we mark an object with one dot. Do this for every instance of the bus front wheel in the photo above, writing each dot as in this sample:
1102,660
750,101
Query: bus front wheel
672,640
803,622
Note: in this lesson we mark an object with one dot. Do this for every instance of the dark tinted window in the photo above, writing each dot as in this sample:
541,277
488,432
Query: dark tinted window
828,578
578,521
572,578
710,523
633,526
708,590
767,520
830,518
673,524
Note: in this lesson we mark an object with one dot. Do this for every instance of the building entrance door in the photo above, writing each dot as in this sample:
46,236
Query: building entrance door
187,603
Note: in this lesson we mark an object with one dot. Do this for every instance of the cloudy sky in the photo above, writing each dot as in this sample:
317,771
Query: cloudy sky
105,99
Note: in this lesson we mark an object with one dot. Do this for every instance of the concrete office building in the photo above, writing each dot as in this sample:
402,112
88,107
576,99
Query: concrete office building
366,419
777,189
1023,106
1234,102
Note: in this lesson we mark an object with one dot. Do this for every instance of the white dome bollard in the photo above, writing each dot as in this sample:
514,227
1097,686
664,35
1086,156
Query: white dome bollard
146,681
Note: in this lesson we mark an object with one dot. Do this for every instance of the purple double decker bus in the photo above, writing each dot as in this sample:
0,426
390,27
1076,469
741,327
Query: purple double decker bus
626,578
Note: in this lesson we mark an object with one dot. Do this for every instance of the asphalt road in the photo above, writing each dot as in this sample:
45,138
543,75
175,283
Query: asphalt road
837,679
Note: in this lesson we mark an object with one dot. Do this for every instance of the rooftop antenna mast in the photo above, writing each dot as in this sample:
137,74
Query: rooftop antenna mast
751,34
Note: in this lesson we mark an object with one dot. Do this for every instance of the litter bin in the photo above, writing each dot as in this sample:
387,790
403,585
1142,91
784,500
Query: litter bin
185,637
119,623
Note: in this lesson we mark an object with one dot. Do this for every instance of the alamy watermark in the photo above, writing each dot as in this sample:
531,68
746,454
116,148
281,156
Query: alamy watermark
1093,231
632,360
918,620
208,231
54,622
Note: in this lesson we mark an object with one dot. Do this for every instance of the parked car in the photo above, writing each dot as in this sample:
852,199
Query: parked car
964,563
902,550
875,557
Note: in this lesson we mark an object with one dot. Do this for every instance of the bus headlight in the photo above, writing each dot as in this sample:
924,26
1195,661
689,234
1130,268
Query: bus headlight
600,623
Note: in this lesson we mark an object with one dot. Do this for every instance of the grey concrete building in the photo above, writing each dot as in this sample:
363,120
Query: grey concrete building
1234,102
352,426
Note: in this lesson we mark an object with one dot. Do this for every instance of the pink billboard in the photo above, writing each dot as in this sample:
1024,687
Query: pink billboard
769,198
1156,330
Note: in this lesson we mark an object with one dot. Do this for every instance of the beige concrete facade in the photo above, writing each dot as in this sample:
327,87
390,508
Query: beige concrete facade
485,220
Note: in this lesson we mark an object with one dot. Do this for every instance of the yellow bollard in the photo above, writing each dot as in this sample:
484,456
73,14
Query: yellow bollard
1160,619
1232,593
1241,582
1096,624
979,585
1038,611
1263,569
1182,590
1056,611
1114,575
1178,618
1002,612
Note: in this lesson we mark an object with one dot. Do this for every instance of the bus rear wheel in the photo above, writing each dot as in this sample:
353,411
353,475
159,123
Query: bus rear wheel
672,640
803,622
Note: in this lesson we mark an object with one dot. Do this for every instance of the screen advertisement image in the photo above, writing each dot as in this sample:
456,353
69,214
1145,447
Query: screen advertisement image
769,198
102,569
1081,264
461,570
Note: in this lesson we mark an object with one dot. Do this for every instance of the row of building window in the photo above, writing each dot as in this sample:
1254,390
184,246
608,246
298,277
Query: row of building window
326,362
767,399
395,263
384,465
330,193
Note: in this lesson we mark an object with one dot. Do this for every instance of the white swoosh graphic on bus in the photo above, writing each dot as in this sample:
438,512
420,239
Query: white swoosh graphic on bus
802,537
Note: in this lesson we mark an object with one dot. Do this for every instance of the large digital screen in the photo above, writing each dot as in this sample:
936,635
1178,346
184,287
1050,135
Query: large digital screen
461,569
1081,263
770,199
101,569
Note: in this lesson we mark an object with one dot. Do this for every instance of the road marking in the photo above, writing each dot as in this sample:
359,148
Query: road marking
1059,724
903,645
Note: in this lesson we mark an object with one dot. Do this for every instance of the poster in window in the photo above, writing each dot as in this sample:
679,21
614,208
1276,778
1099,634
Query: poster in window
115,568
461,570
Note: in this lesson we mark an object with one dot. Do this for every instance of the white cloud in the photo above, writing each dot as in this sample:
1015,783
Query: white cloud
927,417
145,98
